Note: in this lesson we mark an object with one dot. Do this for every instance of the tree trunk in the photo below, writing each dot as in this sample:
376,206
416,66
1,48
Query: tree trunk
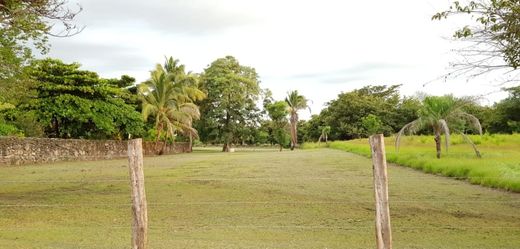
438,143
190,148
294,134
163,149
157,149
225,148
281,147
326,138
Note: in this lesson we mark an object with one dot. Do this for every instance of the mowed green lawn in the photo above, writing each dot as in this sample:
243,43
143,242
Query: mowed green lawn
253,199
499,166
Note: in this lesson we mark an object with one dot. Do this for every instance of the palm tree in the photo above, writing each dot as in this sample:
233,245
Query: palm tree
157,98
169,98
295,103
436,112
187,92
325,130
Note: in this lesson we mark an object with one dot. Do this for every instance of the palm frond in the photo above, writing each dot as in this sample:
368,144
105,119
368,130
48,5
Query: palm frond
473,121
411,127
468,140
446,130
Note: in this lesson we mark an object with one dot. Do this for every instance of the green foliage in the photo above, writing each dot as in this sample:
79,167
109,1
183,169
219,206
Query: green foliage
169,96
278,112
344,114
72,103
494,32
9,130
372,124
26,25
229,113
440,113
506,114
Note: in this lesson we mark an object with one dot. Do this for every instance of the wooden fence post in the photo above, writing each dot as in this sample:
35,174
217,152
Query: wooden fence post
139,206
383,229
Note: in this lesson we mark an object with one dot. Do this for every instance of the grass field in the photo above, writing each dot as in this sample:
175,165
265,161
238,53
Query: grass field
253,199
499,166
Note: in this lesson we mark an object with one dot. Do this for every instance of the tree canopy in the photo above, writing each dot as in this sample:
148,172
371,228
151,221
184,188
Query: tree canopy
229,113
74,103
494,34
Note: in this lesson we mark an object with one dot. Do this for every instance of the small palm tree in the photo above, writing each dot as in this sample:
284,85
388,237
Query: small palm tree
325,130
436,112
295,102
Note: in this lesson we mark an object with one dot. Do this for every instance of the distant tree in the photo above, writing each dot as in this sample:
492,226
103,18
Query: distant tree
344,114
437,112
310,130
505,117
73,103
295,103
494,35
229,114
325,130
278,114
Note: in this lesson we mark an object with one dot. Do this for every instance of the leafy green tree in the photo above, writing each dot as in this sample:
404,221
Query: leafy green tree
495,34
26,25
278,114
230,108
73,103
506,114
371,124
310,130
295,103
344,114
437,112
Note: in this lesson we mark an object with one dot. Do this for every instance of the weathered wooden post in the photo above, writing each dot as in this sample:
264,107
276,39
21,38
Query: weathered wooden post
139,206
383,229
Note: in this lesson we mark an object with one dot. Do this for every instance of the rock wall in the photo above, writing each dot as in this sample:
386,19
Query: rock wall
17,151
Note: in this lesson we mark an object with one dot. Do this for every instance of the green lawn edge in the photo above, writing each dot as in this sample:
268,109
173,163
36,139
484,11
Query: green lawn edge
499,168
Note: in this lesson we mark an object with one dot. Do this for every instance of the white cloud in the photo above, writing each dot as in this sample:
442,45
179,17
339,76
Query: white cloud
338,45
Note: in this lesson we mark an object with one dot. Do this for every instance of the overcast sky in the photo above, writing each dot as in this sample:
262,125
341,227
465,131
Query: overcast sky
320,48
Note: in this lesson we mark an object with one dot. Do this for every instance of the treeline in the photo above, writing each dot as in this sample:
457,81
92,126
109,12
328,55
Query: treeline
50,98
355,114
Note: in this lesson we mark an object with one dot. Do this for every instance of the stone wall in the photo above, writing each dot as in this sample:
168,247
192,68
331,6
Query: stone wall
16,151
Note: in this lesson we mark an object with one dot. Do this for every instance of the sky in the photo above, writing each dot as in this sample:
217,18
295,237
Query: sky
320,48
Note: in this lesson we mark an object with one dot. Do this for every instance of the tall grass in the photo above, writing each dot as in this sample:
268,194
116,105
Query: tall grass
499,166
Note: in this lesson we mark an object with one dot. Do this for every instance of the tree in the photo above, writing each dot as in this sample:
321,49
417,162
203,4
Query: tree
278,113
506,113
295,103
495,35
73,103
344,114
24,25
325,130
230,111
437,112
188,92
168,97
